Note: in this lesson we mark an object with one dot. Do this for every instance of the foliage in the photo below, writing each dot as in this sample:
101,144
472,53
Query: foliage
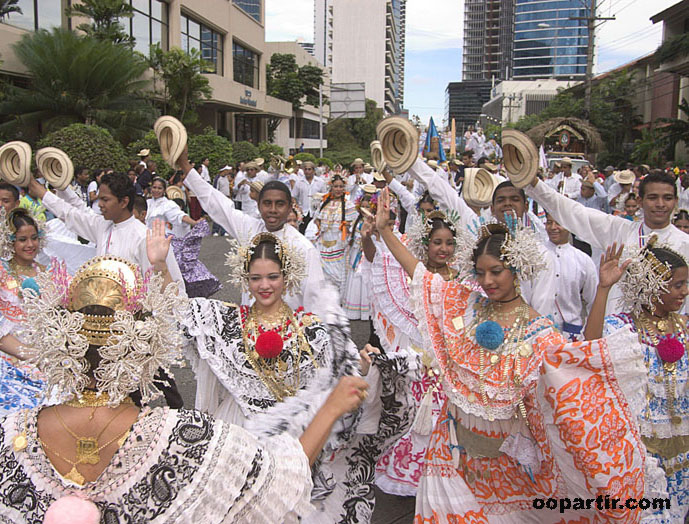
611,109
266,150
287,81
305,157
79,79
675,47
244,151
650,148
354,133
676,129
90,146
184,87
346,156
7,7
210,145
150,141
106,17
494,130
325,161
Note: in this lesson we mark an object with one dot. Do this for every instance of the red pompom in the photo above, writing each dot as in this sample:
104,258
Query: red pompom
269,344
670,349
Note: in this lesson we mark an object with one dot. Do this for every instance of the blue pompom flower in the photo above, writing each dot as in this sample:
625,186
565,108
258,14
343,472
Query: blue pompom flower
30,283
489,335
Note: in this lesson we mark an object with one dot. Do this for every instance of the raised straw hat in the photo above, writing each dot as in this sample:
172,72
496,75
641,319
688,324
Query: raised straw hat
55,166
399,140
520,157
172,137
377,156
479,185
15,163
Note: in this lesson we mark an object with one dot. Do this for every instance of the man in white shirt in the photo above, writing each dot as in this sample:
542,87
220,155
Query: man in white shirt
305,190
358,177
658,198
574,281
274,206
566,182
116,231
593,195
205,174
242,188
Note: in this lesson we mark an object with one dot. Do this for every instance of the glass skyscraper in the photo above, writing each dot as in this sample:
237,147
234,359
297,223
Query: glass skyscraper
547,43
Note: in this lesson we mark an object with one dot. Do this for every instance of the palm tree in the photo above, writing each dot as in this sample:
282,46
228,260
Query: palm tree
105,16
7,7
79,79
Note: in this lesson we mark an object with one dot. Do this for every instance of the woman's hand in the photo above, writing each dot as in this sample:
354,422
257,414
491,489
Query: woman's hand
611,270
367,226
157,245
383,211
347,396
365,358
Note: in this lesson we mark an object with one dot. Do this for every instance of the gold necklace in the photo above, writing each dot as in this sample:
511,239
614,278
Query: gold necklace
87,450
73,474
273,372
93,399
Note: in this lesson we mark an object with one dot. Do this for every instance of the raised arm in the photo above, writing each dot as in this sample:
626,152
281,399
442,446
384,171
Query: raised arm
442,192
590,225
157,249
218,206
610,273
398,250
367,243
83,223
406,198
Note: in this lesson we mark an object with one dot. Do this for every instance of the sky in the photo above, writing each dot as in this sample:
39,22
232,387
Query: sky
434,41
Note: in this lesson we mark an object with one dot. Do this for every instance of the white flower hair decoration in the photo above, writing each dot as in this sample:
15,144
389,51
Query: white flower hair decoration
646,277
520,251
238,258
8,232
419,234
136,334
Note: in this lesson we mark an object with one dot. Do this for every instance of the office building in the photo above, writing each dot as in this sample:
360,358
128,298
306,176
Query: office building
547,42
464,101
364,41
488,37
229,34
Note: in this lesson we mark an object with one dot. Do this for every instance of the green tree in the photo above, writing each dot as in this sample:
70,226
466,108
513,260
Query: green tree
675,129
650,148
7,7
354,133
184,87
105,19
79,79
210,145
287,81
266,150
90,146
244,151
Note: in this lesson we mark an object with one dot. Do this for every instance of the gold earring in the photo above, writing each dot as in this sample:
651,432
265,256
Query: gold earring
517,287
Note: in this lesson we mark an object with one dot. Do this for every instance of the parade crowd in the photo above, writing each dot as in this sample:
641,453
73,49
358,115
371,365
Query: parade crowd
528,339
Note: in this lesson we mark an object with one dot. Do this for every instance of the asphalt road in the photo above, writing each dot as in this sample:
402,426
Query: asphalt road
389,509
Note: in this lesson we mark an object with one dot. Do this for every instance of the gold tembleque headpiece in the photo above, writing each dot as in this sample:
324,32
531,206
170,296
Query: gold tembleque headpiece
134,326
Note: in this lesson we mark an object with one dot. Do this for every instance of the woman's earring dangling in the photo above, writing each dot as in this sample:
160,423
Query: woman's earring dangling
517,287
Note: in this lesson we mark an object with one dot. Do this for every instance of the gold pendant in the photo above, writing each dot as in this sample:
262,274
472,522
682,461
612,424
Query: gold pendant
494,359
282,366
87,451
75,476
663,326
670,367
458,323
20,442
676,420
471,398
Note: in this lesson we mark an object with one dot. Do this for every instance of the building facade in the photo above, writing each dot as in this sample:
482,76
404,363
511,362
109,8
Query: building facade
464,102
488,35
230,35
548,43
364,41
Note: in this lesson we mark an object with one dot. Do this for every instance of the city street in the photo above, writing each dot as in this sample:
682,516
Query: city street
389,509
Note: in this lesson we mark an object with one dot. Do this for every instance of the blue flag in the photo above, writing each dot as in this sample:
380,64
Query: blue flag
430,135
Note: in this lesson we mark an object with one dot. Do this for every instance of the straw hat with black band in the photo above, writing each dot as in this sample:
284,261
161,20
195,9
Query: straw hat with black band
399,140
172,137
15,163
479,185
520,157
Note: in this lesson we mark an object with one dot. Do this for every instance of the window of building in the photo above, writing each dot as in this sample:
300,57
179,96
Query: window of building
250,7
246,128
37,14
196,35
245,65
149,25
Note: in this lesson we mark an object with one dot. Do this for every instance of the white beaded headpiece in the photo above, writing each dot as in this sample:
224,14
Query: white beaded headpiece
292,262
8,233
419,234
133,324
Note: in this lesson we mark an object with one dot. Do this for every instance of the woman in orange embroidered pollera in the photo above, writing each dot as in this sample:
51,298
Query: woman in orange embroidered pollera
528,417
653,280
